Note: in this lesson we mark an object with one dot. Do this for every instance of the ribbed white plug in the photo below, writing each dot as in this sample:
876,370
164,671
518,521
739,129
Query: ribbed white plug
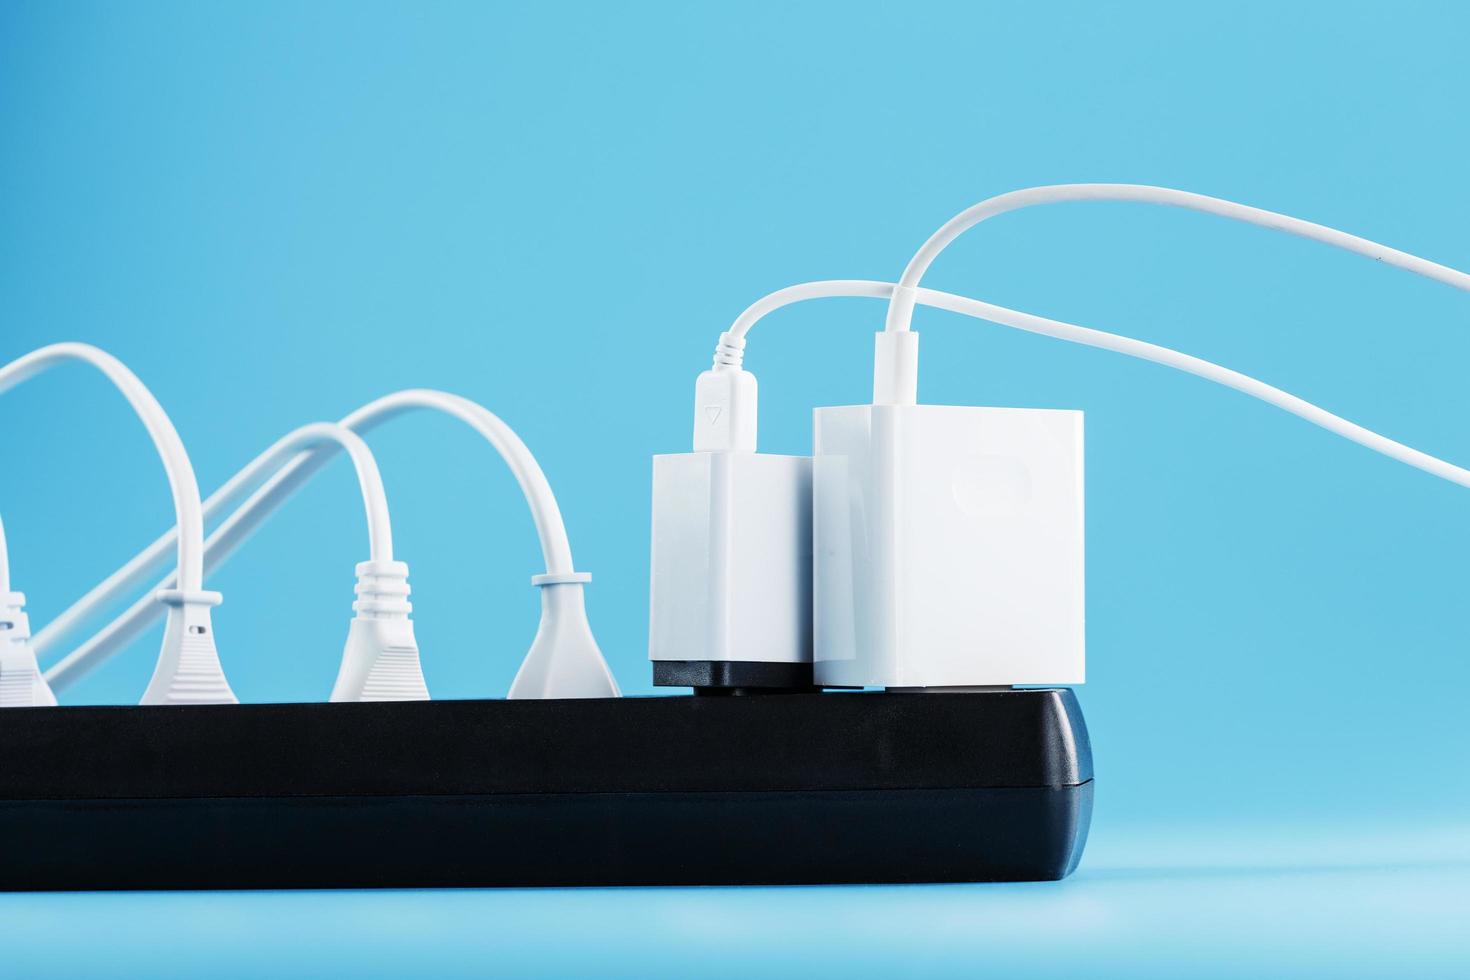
564,660
381,659
188,670
21,683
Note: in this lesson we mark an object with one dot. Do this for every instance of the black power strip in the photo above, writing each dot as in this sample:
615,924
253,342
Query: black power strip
679,790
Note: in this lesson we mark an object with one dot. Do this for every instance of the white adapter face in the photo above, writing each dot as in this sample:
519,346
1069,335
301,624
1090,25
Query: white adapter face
732,558
948,546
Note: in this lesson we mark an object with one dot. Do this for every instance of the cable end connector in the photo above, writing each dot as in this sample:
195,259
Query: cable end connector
380,661
21,682
896,368
564,660
188,670
725,402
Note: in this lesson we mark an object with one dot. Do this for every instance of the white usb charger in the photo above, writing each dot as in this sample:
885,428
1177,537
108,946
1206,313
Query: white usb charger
730,590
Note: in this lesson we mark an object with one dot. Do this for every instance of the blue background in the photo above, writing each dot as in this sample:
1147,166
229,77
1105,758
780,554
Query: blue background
275,213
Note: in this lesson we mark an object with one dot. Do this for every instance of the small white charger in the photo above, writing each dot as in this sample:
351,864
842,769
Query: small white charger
731,567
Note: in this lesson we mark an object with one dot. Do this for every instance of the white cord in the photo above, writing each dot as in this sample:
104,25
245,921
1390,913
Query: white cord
900,309
149,561
316,436
187,509
556,549
235,529
324,438
4,562
1122,345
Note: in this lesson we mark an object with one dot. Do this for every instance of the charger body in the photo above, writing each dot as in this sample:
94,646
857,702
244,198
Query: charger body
948,546
731,566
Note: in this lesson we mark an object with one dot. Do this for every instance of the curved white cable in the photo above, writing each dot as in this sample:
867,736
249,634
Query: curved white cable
900,309
188,512
4,562
551,531
1122,345
556,549
323,438
800,293
150,561
313,437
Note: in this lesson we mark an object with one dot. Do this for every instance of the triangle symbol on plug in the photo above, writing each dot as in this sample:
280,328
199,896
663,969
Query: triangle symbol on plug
713,412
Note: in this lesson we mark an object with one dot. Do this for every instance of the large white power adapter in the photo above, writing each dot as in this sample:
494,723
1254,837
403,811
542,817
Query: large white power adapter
730,590
949,549
949,546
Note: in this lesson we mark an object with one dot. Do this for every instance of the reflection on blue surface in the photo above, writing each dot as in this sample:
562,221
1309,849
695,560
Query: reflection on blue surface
1388,901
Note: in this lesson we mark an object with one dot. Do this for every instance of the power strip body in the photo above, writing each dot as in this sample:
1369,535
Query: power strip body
679,790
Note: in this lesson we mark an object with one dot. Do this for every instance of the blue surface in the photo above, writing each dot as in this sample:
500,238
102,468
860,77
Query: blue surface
275,213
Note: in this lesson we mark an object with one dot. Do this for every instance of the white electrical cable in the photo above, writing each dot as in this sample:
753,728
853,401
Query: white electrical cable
314,437
324,438
150,561
556,549
188,513
4,562
900,308
1107,341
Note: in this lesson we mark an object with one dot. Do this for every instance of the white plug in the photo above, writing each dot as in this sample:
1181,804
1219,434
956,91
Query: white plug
188,669
725,410
564,660
381,659
21,683
730,590
948,540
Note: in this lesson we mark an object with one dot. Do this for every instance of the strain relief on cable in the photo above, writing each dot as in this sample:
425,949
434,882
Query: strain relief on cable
896,368
561,578
188,670
382,590
22,684
729,352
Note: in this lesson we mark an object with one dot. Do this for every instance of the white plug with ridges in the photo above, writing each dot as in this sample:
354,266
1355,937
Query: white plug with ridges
381,658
